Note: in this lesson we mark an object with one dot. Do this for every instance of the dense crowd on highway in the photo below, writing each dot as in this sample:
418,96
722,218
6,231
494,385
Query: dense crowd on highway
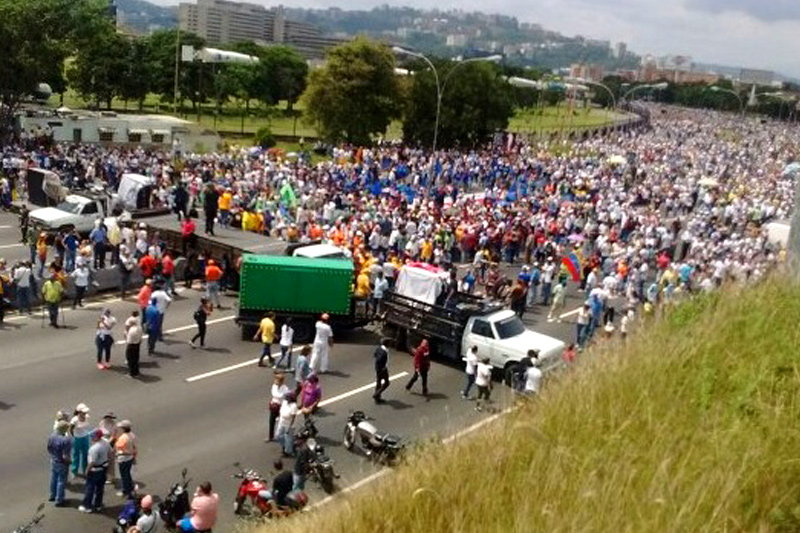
641,217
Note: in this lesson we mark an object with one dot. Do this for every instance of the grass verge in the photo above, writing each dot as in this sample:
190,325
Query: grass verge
690,426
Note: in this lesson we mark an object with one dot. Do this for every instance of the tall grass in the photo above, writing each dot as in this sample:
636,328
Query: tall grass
691,426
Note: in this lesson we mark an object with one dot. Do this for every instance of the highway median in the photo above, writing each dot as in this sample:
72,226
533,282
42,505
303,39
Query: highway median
690,425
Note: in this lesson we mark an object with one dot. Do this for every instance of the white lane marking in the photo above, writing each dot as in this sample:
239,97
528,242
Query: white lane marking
229,368
380,473
184,328
7,227
358,390
4,246
570,313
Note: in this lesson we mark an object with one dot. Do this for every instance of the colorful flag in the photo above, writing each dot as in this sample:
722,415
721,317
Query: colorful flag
573,264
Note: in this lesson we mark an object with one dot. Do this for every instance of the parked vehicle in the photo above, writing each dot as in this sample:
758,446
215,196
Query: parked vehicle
320,468
411,311
33,522
176,503
250,499
383,447
76,211
318,286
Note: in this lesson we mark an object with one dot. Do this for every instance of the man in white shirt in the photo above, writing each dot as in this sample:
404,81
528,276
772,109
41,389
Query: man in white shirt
471,366
162,303
81,276
378,291
22,279
547,280
133,339
286,417
483,379
533,379
323,340
287,339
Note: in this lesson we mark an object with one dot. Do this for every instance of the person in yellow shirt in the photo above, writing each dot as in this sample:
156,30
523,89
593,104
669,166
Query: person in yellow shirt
426,254
52,293
224,203
362,284
266,331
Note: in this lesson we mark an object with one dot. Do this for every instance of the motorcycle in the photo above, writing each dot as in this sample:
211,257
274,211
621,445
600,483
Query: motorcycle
127,516
383,447
176,504
320,467
31,525
251,489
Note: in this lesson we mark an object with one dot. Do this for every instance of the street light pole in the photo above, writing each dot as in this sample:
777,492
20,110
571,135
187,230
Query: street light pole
441,84
597,83
716,89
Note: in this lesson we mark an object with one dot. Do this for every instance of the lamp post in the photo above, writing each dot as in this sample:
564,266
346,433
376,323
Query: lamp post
441,84
716,89
659,86
598,84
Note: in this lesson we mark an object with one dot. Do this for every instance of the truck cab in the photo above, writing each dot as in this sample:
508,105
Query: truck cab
76,211
503,338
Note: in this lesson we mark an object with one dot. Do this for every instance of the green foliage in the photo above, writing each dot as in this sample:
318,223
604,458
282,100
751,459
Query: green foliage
35,38
264,138
100,66
195,81
355,95
476,102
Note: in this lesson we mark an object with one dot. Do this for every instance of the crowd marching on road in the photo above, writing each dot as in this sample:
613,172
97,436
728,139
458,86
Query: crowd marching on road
641,217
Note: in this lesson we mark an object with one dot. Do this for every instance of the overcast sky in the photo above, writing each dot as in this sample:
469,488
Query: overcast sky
751,33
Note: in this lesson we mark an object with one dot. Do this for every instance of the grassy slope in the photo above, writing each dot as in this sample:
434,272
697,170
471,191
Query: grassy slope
692,426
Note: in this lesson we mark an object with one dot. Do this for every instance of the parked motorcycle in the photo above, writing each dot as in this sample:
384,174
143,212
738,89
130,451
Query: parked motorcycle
250,492
176,503
128,516
383,447
320,467
33,522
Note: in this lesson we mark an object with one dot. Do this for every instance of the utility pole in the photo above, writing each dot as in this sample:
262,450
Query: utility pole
177,68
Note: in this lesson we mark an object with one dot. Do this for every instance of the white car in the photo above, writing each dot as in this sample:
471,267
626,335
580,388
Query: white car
321,251
79,212
504,339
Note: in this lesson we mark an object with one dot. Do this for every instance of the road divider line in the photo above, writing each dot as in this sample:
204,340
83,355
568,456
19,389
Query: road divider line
570,313
229,368
6,246
185,328
358,390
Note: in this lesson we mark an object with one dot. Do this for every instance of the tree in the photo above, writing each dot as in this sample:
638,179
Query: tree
35,38
476,102
195,80
99,66
356,94
135,78
280,74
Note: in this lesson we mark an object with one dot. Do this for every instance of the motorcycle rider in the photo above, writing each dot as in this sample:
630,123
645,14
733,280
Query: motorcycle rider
205,506
282,485
303,458
148,522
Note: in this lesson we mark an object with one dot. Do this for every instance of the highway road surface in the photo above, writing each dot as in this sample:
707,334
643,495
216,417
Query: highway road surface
201,409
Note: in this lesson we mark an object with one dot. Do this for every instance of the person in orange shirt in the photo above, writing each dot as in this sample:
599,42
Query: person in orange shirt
143,298
316,232
213,275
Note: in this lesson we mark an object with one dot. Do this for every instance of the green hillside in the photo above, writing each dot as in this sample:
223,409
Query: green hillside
692,426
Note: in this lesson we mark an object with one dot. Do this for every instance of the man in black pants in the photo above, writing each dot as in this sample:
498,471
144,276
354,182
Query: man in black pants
133,339
381,371
210,207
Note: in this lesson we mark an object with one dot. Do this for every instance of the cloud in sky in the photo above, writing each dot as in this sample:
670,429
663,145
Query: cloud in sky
751,33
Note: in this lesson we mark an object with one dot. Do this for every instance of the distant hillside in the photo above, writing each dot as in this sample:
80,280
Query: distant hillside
143,17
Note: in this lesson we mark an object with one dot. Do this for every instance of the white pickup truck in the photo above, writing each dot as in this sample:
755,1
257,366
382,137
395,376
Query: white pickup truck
452,330
76,211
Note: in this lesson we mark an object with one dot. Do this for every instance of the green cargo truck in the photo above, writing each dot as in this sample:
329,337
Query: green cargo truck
297,287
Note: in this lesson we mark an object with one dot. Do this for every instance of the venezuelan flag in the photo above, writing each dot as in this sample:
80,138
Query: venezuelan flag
573,264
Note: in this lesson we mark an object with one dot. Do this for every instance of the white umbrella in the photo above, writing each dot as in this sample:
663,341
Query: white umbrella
708,182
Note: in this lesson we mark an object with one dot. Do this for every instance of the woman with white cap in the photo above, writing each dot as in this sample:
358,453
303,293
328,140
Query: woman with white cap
103,339
81,429
323,340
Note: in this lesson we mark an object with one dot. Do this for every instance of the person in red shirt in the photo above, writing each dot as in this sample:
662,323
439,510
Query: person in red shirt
213,275
168,271
148,264
143,298
187,234
422,363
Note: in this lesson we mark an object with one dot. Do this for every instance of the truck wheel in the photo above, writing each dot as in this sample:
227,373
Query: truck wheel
248,330
304,332
508,373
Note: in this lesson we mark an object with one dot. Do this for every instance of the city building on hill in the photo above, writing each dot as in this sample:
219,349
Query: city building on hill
223,21
586,72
